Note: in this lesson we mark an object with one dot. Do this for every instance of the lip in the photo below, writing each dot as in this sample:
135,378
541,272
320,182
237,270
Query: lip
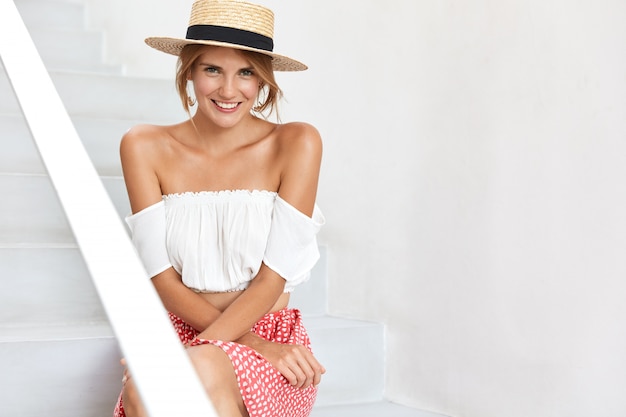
226,106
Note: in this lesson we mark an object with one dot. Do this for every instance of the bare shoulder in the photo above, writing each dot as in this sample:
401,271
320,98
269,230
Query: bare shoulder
299,137
300,153
141,136
141,153
145,143
299,131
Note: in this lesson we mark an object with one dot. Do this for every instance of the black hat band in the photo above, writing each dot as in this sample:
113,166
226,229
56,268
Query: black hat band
230,35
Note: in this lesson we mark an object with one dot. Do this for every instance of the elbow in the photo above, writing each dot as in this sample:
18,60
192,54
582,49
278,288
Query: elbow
269,281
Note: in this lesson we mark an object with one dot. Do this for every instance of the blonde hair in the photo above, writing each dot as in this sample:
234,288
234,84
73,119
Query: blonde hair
269,91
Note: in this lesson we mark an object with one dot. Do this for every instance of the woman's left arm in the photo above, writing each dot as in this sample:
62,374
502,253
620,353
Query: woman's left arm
299,155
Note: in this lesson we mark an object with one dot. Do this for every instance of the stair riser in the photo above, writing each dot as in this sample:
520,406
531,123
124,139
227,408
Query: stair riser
57,29
51,14
112,97
26,223
311,297
84,377
101,138
19,151
33,214
69,378
69,49
353,359
54,287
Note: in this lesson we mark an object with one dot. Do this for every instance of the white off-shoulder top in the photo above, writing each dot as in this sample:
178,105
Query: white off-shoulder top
217,240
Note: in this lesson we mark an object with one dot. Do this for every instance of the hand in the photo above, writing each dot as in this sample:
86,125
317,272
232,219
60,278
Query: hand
295,362
126,373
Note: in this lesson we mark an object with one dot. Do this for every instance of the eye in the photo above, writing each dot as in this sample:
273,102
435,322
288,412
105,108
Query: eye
247,72
211,70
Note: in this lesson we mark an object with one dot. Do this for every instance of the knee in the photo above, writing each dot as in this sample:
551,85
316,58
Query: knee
210,360
214,367
218,378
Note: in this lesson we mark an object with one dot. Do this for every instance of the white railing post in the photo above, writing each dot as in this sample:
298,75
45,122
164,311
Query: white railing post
163,372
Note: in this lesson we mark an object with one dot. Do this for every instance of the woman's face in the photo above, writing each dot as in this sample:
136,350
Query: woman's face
225,85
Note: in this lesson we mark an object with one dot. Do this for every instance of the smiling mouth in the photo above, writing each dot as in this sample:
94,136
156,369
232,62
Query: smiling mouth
225,106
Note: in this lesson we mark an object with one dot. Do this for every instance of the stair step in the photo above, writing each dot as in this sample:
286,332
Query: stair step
20,153
51,14
35,213
58,30
352,352
54,287
108,96
62,378
374,409
39,227
76,50
86,364
310,297
101,138
14,335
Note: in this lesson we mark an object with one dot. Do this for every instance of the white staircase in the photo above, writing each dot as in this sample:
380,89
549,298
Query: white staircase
58,355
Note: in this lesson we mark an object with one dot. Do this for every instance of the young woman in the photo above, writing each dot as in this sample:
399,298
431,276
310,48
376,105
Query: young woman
224,216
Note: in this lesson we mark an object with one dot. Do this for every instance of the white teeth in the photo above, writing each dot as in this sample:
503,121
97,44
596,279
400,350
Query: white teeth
226,105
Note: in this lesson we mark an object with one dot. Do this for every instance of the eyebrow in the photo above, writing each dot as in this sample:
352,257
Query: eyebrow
207,64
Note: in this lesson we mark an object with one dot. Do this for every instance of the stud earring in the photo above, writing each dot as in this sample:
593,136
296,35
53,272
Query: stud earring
191,101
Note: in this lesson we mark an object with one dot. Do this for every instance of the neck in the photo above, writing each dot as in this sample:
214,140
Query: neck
219,138
207,129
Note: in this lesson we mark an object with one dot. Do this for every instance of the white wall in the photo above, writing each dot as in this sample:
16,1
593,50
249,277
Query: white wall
473,181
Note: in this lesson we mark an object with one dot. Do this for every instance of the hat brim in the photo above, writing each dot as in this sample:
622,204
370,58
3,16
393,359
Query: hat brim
173,46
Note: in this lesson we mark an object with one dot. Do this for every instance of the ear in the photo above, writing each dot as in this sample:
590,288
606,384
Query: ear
189,73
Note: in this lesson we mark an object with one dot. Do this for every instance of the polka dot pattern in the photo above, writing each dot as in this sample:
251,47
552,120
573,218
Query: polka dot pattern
265,392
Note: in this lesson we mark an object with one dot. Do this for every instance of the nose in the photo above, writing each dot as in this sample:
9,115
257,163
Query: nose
228,87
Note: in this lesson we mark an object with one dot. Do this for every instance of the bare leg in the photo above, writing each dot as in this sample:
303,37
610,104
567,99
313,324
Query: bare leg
132,403
218,377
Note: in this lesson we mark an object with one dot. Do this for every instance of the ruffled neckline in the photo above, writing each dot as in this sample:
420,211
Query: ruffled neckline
219,194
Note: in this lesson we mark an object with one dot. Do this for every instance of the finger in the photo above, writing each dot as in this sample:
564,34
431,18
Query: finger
126,376
316,368
289,365
306,373
289,375
297,376
302,367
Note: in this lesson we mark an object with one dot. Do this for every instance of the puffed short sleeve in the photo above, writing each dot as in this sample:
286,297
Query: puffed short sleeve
148,235
291,249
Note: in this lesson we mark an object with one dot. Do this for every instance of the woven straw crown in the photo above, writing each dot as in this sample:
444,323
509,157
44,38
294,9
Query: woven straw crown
230,23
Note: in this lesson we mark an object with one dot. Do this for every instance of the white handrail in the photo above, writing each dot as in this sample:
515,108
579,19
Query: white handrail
163,372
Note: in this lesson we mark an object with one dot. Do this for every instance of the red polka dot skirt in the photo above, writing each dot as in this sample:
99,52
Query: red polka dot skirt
265,392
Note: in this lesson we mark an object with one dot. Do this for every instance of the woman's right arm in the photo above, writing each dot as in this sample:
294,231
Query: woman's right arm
140,155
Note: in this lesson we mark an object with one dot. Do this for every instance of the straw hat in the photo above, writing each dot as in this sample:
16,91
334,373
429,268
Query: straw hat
233,24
